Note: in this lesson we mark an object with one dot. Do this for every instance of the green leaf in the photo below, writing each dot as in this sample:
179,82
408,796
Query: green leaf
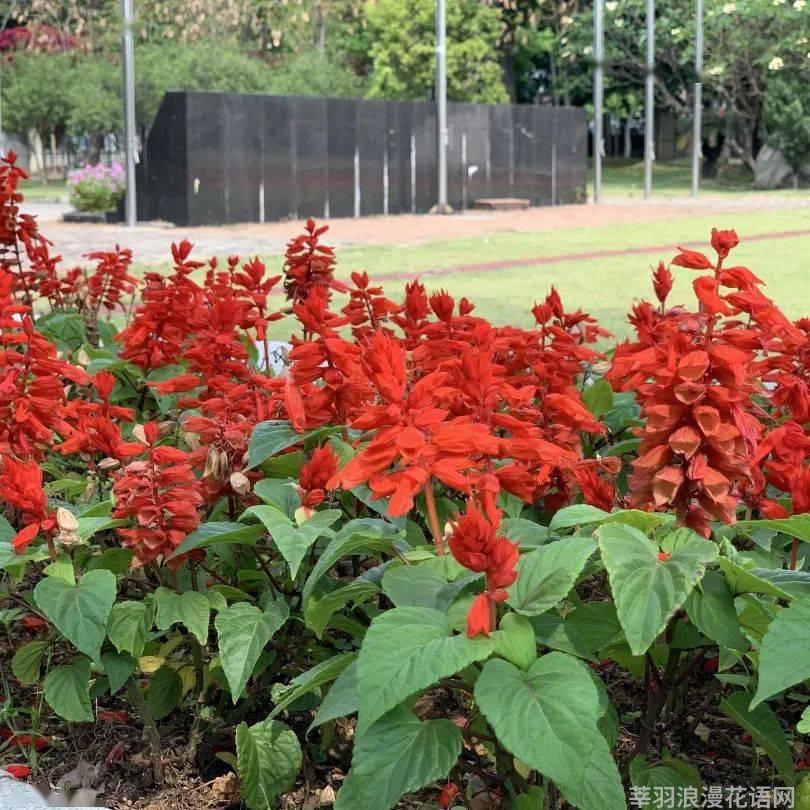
11,561
67,690
191,609
88,526
711,608
670,773
585,515
216,600
359,536
164,692
312,679
79,612
803,726
27,661
117,667
341,700
597,624
406,650
432,583
515,641
269,758
294,542
243,632
744,580
318,612
784,655
281,494
210,534
643,521
764,726
128,625
526,533
533,799
647,591
556,633
270,438
397,754
547,717
598,398
61,569
581,514
795,526
795,584
7,531
547,574
117,560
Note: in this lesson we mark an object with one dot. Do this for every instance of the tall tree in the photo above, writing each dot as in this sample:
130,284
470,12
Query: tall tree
404,43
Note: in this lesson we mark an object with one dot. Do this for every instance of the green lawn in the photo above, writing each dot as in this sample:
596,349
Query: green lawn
625,177
605,287
40,191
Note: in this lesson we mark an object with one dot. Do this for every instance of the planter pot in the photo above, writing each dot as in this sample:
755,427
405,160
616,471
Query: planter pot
93,217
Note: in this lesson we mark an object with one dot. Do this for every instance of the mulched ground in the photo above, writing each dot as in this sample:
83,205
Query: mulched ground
108,762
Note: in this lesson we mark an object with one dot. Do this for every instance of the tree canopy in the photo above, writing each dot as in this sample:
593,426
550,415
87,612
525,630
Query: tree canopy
757,57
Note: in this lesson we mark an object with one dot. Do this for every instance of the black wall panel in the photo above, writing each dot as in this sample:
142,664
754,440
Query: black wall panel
243,151
501,151
205,136
162,173
371,150
543,128
342,140
424,155
309,145
399,121
214,158
278,159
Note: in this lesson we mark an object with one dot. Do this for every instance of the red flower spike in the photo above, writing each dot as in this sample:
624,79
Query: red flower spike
448,796
21,487
723,242
309,264
696,375
316,474
162,495
475,544
692,260
662,282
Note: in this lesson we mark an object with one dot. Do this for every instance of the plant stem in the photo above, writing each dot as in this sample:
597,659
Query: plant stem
152,733
433,518
658,699
794,553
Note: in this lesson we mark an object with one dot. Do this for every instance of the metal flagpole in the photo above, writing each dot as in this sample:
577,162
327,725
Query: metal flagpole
598,96
130,145
697,115
649,101
441,102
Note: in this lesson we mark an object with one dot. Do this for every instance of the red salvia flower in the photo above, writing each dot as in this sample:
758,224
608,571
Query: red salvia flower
662,282
111,278
476,545
21,488
308,264
161,494
161,324
315,476
695,376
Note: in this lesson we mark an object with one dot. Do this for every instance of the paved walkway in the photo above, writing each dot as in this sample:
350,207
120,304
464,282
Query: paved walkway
151,241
